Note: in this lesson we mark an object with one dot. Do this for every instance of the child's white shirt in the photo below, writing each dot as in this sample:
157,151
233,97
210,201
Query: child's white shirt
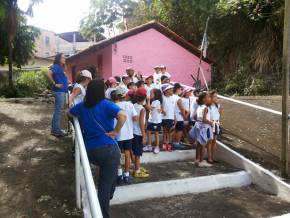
177,112
80,97
148,89
200,111
155,115
136,128
214,112
126,132
169,107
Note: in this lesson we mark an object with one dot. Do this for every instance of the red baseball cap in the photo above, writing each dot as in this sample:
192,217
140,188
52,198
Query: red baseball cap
141,92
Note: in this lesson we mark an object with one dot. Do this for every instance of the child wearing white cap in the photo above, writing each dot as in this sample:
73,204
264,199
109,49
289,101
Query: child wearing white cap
79,89
125,137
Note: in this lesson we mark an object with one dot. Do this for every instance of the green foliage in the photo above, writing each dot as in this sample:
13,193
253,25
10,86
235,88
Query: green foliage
245,36
29,84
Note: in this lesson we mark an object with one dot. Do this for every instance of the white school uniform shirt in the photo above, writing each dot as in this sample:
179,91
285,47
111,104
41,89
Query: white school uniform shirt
155,115
157,78
126,132
108,92
136,124
177,112
81,96
148,89
193,107
199,112
169,107
214,112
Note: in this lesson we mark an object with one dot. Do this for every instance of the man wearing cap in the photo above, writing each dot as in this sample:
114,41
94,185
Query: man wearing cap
164,72
131,74
157,75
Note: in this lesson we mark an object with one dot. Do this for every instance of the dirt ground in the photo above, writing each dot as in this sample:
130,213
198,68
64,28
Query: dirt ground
254,133
247,202
36,170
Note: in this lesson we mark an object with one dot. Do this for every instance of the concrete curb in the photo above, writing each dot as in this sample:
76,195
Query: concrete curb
168,188
260,176
168,156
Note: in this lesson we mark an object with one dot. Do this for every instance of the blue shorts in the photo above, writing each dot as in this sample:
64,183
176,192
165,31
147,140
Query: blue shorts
179,126
125,145
137,146
167,123
154,127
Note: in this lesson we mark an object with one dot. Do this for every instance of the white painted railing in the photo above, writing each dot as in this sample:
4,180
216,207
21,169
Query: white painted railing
86,194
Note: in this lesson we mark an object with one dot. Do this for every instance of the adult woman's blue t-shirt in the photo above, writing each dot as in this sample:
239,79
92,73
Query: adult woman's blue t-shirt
103,113
59,77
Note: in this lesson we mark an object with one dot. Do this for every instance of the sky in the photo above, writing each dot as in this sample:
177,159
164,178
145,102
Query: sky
57,15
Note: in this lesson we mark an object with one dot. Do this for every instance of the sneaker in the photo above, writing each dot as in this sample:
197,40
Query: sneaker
204,164
164,147
156,150
119,180
178,147
169,147
126,180
141,174
147,148
144,170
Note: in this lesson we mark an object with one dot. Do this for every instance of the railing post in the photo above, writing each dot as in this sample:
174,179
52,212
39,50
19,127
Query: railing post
77,171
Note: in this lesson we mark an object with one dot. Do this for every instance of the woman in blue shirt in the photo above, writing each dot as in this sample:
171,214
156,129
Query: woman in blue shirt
57,77
97,115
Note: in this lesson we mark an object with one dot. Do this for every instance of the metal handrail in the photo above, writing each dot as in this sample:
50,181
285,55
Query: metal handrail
83,166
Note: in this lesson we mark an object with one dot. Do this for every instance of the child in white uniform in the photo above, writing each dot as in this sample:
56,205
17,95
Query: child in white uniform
125,137
215,113
155,118
168,115
139,132
202,130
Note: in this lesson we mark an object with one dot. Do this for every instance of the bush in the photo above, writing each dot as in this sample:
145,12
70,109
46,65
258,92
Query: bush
29,84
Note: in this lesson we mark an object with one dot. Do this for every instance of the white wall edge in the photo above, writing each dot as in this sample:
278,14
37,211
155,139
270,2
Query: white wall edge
283,216
260,176
165,156
168,188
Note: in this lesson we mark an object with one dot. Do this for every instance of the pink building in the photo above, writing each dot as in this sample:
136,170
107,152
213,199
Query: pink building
142,48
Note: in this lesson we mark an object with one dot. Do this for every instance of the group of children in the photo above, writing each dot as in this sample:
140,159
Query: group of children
154,105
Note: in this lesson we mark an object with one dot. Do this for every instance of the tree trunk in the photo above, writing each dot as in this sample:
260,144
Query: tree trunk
10,72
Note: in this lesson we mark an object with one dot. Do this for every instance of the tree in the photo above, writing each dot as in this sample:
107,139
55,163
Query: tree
11,19
107,14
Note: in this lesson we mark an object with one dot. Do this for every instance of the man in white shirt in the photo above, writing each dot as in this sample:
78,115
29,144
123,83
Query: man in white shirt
131,74
164,72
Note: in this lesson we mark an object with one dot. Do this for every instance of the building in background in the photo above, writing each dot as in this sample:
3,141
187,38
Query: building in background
142,48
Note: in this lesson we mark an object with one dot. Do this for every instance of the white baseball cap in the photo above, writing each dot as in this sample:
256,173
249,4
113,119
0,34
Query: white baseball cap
86,73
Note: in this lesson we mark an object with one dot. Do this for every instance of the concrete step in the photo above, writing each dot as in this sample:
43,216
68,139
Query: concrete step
248,201
171,187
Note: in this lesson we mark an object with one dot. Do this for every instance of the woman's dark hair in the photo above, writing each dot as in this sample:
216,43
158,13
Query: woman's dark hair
201,97
140,83
57,59
158,95
114,96
95,93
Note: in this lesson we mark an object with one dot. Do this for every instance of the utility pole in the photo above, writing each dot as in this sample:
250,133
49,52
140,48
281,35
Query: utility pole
285,91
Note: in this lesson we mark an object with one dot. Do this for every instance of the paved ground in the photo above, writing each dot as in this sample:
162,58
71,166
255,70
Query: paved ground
247,202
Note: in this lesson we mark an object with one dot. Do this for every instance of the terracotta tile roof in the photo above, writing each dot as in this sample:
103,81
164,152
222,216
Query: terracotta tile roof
153,24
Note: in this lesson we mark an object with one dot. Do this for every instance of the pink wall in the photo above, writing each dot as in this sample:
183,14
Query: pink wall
151,48
85,61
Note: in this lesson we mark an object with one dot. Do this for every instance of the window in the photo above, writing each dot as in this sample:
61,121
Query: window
127,59
47,41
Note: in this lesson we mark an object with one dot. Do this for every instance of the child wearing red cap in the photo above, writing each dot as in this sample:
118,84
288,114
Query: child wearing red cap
139,132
